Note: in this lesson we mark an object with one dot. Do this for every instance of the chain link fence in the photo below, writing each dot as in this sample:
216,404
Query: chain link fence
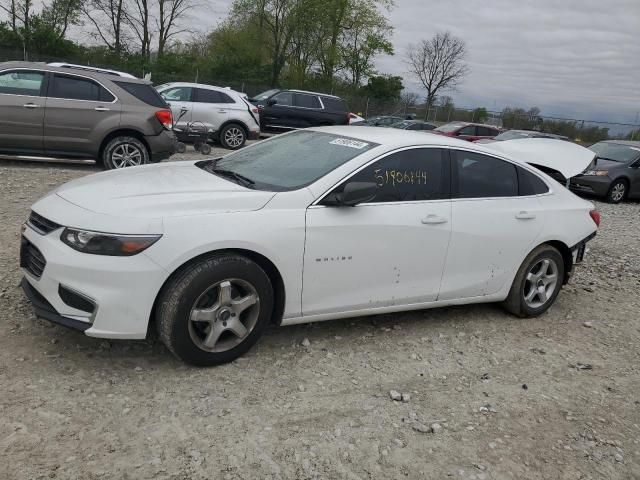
580,130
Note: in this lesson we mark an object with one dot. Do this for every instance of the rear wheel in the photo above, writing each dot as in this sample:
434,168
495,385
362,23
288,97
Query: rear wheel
617,192
537,283
214,310
123,152
233,136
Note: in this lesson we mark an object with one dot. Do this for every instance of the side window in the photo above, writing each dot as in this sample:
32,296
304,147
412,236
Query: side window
334,104
468,130
486,132
284,99
414,126
177,94
224,98
307,101
21,82
481,176
409,175
76,88
206,96
530,184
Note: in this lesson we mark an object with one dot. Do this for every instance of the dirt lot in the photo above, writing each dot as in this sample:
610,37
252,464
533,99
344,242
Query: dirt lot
503,392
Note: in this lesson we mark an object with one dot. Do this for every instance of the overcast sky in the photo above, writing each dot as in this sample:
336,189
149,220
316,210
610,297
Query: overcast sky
576,58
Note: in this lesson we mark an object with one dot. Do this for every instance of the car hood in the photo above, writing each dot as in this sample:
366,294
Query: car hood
565,157
602,164
163,190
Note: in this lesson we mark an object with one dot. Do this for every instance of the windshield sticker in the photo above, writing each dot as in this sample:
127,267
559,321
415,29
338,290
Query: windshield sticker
346,142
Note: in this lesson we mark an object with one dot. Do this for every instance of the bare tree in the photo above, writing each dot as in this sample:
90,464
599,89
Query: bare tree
139,19
109,20
170,13
60,14
438,63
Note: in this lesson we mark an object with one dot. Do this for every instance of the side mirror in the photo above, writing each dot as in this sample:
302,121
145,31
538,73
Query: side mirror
353,194
271,102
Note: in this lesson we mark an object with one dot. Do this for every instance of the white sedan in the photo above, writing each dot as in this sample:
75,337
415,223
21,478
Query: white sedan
312,225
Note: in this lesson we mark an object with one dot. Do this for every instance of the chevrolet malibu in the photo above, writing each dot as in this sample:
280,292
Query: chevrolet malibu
312,225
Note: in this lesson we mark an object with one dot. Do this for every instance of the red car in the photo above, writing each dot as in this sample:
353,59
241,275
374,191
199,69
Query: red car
468,131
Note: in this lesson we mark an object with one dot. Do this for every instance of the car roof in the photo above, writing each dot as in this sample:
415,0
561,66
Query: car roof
628,143
70,71
312,93
200,85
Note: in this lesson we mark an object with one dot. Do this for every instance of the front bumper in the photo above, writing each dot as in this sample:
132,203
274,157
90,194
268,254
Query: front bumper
590,184
121,289
162,146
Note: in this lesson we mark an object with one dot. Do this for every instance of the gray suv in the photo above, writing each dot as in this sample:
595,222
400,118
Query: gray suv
73,113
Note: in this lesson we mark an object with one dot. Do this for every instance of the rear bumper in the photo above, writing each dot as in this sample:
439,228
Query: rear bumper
162,146
590,184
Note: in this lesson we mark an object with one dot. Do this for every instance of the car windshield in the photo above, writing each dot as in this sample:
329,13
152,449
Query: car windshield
615,151
265,95
512,135
449,127
288,162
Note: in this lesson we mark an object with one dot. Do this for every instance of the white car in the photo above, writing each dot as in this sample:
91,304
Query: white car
225,113
312,225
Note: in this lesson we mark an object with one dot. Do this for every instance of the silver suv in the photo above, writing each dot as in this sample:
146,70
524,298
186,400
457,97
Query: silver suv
66,112
227,115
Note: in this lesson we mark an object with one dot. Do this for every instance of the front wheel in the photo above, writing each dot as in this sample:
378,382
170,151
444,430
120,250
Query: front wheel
617,191
123,152
537,283
233,137
214,310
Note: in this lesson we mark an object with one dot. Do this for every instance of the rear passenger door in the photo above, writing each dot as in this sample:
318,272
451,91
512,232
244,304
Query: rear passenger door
278,116
212,108
496,218
78,112
308,111
22,105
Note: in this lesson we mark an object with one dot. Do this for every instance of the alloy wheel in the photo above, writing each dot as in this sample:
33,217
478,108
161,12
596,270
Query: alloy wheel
618,191
224,315
234,137
126,155
540,283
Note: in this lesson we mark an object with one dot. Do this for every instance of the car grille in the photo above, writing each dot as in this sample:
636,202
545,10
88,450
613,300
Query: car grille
42,225
31,258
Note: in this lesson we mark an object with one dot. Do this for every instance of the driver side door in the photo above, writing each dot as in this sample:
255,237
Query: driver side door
387,252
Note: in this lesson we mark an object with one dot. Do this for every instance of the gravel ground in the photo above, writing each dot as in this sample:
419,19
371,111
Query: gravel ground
486,396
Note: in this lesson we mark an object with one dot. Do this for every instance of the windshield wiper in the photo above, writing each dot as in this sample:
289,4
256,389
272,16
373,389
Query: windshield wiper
241,179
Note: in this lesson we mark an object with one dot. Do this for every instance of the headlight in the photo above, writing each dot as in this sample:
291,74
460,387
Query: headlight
597,173
99,243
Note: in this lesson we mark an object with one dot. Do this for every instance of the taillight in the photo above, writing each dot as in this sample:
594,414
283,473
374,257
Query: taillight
595,216
165,118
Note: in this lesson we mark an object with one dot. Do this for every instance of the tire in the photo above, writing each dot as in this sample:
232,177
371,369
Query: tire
233,136
205,149
206,290
122,152
618,191
181,147
524,300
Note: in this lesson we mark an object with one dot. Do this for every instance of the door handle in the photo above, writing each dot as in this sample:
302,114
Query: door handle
31,105
222,111
434,220
102,109
523,215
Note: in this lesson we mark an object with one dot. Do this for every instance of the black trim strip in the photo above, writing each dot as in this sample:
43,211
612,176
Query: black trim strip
583,241
45,310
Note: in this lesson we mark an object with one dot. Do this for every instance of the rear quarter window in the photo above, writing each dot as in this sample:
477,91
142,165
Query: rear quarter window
335,104
530,184
143,92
